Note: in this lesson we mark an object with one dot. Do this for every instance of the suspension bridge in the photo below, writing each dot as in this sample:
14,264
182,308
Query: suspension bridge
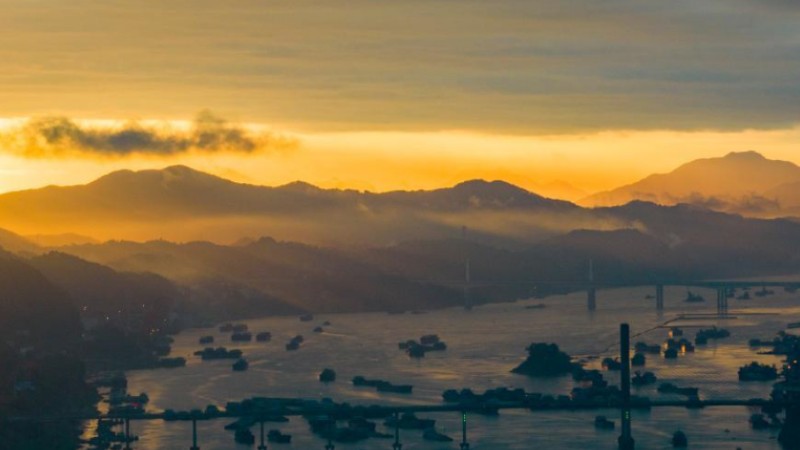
591,285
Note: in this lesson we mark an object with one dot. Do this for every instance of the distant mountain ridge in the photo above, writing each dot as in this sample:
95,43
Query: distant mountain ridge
180,203
740,182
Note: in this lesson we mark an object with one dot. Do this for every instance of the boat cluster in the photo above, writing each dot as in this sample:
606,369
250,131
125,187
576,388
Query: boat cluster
239,332
350,430
121,401
758,372
107,438
339,422
673,347
782,344
500,394
702,336
427,343
669,388
382,385
211,353
327,375
294,343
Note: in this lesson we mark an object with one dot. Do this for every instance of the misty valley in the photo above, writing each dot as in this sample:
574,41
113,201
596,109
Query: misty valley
352,299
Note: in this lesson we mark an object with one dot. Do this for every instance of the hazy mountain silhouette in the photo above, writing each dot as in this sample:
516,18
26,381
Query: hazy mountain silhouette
743,182
57,240
560,189
306,277
662,243
32,309
106,294
16,243
146,299
787,195
179,203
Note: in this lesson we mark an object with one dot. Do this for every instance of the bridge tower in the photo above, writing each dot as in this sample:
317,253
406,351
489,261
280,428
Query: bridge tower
194,435
625,440
261,445
467,275
128,436
397,445
722,301
464,444
467,281
591,291
660,297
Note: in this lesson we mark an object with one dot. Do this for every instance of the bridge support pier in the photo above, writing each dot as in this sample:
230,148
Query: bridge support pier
722,301
262,445
625,440
397,445
660,297
591,298
464,443
194,436
329,445
128,434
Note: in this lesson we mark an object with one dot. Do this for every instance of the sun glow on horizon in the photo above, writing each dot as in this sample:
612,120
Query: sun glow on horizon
386,160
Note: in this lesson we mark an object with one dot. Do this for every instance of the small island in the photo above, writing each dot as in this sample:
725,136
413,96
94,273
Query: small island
545,360
757,372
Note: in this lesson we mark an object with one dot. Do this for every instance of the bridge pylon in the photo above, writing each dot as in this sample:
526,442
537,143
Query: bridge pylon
262,445
397,445
660,297
194,435
464,444
722,301
625,440
591,291
128,437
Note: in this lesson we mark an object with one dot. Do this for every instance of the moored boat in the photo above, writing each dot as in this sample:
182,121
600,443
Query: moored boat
279,438
240,365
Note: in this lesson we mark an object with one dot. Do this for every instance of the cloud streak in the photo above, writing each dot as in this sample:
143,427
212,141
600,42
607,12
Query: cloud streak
61,136
504,66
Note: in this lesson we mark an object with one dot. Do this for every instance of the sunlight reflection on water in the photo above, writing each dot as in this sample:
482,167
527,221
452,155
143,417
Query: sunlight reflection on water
483,346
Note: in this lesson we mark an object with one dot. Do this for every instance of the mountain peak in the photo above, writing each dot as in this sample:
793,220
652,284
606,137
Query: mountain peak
478,186
738,182
170,174
300,186
180,169
747,155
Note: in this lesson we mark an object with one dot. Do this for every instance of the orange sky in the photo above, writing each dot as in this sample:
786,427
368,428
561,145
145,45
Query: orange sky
406,160
595,94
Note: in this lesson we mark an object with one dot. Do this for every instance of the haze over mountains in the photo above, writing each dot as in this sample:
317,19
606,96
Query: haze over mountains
179,203
745,183
301,248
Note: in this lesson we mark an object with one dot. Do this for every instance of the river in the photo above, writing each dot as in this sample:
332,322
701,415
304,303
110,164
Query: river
484,344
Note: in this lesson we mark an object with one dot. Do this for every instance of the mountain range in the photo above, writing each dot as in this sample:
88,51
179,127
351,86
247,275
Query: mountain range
178,203
745,183
178,238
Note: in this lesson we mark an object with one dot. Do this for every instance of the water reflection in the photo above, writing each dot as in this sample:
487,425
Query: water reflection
483,346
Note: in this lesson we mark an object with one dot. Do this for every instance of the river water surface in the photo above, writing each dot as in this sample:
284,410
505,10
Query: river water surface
483,346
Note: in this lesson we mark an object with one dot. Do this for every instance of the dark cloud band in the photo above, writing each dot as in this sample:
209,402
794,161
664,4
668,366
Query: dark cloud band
55,136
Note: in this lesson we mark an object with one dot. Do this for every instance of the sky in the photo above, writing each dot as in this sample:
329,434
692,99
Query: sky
383,94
